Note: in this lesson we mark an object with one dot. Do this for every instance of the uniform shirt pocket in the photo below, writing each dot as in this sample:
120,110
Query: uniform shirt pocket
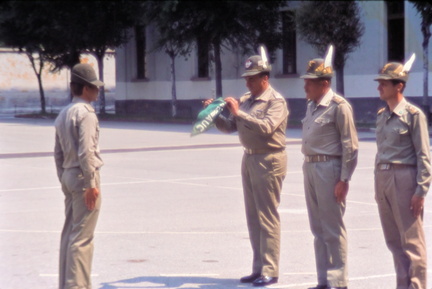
259,113
402,135
322,121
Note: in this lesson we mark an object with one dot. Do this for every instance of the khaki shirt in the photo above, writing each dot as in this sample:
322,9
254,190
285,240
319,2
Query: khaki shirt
77,140
329,129
403,138
261,122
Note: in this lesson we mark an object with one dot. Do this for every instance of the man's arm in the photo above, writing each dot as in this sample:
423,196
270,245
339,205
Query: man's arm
58,157
420,140
349,141
88,142
275,114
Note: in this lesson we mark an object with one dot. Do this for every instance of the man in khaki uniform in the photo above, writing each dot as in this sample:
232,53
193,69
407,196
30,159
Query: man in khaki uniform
402,176
330,148
260,118
78,162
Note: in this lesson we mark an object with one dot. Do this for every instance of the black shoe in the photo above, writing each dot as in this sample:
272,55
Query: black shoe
249,279
319,287
264,281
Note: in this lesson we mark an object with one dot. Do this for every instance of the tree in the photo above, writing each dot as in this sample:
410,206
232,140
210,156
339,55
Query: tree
22,29
167,20
109,22
91,26
322,23
60,31
425,10
227,24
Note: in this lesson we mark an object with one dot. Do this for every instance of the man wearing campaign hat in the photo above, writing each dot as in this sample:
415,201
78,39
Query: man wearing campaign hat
329,145
402,175
78,161
260,118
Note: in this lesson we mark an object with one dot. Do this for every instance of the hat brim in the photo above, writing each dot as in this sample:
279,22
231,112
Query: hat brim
97,83
309,76
251,73
382,77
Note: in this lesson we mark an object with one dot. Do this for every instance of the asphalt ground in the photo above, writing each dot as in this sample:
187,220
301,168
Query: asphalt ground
172,212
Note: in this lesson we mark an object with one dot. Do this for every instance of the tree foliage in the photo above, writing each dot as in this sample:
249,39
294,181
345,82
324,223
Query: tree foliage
60,31
239,25
425,10
322,23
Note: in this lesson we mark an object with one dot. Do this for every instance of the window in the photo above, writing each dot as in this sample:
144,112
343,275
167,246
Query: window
203,57
396,30
289,52
140,43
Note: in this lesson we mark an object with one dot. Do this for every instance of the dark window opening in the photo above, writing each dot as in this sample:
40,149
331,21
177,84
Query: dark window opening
396,30
289,51
203,57
140,42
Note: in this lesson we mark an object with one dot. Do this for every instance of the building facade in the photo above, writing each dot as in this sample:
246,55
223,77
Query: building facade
392,32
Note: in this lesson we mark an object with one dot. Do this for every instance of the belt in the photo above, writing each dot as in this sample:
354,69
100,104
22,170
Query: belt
319,158
262,151
386,167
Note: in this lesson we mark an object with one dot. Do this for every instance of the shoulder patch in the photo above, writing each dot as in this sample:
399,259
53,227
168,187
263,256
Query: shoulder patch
412,109
381,110
338,99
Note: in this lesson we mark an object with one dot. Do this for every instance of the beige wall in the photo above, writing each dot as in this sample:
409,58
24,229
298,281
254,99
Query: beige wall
19,89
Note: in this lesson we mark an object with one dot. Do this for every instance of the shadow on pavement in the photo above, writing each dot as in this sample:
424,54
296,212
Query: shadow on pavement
188,282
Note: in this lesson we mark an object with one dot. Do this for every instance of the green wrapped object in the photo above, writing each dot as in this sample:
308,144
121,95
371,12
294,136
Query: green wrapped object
207,116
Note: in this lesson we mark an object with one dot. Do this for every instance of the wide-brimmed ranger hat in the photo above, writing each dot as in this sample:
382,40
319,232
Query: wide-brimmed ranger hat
320,68
396,70
257,64
84,73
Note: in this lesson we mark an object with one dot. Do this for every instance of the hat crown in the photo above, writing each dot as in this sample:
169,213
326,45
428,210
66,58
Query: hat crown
255,65
393,71
316,69
84,73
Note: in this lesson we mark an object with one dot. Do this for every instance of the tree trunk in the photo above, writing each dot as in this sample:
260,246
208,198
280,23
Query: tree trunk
38,73
173,86
426,36
41,93
340,81
218,68
99,57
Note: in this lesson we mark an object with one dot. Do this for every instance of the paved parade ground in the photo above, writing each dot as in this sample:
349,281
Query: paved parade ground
172,212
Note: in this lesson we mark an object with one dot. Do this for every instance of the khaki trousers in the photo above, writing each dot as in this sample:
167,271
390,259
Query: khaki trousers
76,245
326,222
262,176
403,233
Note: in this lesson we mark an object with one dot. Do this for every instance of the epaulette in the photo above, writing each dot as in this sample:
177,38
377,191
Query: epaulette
245,97
338,99
89,107
381,110
277,95
412,109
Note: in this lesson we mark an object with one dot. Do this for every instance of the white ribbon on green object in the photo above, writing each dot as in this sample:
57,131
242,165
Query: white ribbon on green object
207,116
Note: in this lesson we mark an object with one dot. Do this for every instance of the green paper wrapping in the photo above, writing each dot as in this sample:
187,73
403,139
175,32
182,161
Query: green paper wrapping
207,116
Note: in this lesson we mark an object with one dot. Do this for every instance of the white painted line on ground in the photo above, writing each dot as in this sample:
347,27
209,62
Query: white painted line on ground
292,211
372,277
188,275
31,189
300,273
56,275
